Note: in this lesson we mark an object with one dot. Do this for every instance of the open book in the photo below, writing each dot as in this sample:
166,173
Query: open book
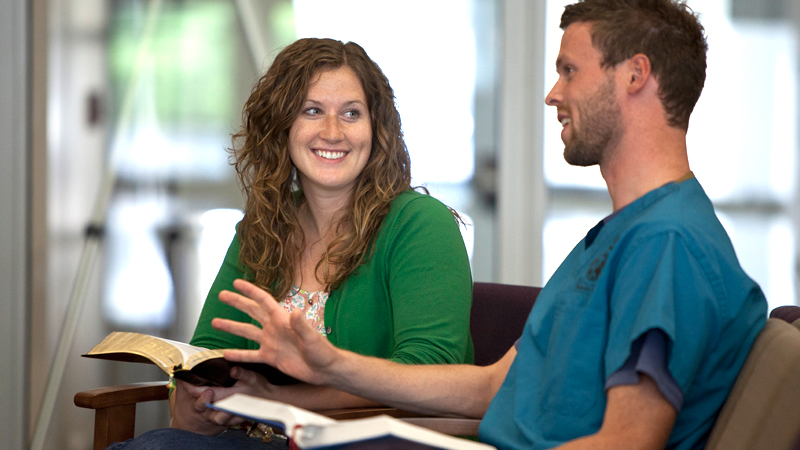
185,362
310,431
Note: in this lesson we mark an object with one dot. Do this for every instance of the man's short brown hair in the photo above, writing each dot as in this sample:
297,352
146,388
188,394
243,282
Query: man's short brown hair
666,31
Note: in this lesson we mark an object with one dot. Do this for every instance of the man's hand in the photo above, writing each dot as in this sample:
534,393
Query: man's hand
286,341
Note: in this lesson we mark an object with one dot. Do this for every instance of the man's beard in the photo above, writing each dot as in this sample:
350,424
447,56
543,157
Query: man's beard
600,125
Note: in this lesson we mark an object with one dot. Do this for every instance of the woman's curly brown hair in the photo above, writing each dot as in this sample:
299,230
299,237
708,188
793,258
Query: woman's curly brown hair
270,234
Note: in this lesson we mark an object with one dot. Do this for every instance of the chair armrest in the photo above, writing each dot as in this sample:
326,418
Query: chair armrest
122,395
447,425
115,409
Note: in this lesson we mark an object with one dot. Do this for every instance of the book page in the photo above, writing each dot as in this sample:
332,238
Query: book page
270,412
381,432
207,367
202,356
124,346
186,350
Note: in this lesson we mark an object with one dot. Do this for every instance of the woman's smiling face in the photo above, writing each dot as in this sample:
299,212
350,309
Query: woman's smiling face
331,139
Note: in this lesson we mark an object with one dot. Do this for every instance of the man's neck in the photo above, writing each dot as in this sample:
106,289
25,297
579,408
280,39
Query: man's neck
643,162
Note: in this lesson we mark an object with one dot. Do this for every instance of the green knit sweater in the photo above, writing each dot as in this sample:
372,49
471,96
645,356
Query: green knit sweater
409,303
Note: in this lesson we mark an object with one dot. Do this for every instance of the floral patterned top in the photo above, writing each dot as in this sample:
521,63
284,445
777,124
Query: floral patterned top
311,303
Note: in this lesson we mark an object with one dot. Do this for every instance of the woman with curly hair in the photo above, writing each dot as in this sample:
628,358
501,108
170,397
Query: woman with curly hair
333,228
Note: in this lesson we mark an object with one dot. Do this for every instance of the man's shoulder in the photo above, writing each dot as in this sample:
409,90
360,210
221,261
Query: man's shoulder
682,209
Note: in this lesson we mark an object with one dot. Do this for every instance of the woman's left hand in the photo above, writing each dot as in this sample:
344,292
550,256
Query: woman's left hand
249,382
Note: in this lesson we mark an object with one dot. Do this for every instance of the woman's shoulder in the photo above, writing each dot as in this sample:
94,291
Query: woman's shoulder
416,206
416,199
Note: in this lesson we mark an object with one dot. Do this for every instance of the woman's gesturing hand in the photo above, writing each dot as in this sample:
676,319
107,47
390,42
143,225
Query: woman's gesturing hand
286,341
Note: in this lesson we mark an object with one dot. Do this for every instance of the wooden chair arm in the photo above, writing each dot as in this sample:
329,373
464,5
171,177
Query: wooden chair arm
122,395
115,409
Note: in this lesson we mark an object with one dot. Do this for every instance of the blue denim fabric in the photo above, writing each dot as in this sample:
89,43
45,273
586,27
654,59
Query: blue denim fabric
173,439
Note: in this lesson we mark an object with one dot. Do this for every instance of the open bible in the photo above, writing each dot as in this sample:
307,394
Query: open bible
309,431
196,365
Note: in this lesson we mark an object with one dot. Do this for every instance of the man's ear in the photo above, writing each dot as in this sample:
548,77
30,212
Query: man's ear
638,72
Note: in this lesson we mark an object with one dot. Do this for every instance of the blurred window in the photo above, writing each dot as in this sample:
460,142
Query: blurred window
176,97
185,98
427,51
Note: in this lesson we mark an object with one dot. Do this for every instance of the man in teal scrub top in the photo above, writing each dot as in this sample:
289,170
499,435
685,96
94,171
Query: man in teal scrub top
638,337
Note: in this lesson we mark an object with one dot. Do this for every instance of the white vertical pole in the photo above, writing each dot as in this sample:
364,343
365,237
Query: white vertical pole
794,209
14,220
521,187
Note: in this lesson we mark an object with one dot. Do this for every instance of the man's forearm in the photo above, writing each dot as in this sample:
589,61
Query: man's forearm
318,398
456,390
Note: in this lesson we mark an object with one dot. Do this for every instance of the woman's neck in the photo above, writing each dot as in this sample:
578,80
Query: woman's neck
321,211
318,225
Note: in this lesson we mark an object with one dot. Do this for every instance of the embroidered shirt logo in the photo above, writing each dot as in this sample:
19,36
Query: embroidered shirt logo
587,281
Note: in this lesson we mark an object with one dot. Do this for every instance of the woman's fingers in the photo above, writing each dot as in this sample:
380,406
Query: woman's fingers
243,375
242,303
247,356
199,404
245,330
257,294
252,300
221,417
191,389
235,420
211,415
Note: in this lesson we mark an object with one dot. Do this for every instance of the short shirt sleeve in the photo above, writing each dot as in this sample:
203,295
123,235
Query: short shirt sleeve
661,284
649,356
